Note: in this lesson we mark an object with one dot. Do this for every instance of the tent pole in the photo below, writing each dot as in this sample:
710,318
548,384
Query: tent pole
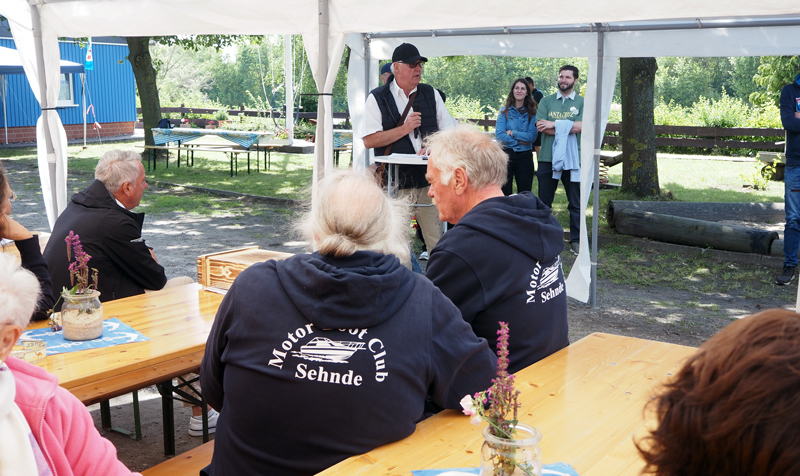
83,102
322,114
367,73
46,110
598,140
288,77
5,116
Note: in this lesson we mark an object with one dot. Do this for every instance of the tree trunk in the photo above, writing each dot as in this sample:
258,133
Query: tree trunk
145,75
639,165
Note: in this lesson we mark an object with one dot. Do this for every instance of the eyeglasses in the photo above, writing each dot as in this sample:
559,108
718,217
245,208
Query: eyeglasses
414,65
12,196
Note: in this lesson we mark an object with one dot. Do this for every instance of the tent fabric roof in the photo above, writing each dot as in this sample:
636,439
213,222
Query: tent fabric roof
125,18
11,64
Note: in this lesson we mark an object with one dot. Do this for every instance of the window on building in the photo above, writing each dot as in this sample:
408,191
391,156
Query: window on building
65,95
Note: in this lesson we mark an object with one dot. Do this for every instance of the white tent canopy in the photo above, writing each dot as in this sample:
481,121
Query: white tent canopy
601,30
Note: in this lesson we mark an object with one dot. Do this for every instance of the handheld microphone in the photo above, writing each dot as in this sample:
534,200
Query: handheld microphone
416,109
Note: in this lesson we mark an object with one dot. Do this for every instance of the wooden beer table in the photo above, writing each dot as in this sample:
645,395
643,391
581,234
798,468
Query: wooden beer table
177,321
587,400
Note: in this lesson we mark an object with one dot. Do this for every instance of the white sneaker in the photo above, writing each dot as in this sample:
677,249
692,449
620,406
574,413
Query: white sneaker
196,423
423,256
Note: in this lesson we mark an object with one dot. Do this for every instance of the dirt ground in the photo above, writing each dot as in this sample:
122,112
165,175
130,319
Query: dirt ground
658,313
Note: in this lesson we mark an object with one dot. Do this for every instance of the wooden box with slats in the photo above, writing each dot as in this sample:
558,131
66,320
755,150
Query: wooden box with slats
220,269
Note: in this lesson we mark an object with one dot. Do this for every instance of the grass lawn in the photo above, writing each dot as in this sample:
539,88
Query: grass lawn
290,176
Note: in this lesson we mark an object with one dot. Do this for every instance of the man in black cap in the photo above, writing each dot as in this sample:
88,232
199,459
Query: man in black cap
387,127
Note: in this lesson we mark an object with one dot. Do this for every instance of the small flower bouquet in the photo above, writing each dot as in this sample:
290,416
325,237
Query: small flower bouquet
501,396
510,448
79,269
82,312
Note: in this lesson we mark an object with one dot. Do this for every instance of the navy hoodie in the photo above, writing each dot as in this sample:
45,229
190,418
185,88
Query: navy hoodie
501,262
790,103
314,359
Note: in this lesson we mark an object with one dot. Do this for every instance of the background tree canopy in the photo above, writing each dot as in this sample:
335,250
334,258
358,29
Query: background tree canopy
251,74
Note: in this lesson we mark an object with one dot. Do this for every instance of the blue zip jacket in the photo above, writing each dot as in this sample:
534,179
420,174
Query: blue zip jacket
790,103
524,129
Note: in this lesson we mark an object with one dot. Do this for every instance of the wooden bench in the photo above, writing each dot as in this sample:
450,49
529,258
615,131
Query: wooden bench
189,463
234,152
344,148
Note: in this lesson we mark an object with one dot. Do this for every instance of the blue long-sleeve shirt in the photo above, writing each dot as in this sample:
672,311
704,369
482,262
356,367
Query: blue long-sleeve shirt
524,129
790,103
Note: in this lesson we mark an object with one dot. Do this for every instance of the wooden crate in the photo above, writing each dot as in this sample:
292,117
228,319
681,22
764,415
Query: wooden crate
220,269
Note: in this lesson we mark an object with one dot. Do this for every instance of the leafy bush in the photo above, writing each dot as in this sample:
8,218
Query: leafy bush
464,107
759,177
726,112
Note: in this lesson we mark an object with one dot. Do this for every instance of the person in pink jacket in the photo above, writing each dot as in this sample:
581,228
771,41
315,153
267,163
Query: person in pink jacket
44,429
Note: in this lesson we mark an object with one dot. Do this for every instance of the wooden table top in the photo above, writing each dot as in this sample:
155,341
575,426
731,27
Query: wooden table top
177,321
587,400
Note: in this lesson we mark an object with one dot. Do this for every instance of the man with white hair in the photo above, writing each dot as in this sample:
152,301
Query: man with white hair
109,231
520,281
398,117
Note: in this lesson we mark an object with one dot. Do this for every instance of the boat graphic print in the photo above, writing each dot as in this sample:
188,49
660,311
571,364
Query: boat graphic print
322,349
550,275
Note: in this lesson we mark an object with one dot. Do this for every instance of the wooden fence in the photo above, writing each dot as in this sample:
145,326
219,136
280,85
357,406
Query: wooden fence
694,137
700,137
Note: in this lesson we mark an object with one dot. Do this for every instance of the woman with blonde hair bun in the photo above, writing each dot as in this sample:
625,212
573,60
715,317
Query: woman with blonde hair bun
326,355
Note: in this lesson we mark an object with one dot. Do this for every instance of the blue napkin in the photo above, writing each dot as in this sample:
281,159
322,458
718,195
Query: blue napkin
114,333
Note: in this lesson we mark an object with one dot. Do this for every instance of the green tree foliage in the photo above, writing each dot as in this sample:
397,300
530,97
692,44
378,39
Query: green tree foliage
682,79
774,73
487,79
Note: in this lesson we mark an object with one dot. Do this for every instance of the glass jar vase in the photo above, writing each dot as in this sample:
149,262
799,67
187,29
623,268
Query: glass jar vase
82,316
518,457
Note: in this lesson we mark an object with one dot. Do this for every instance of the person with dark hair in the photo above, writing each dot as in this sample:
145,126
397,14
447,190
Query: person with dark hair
790,119
537,98
386,72
516,131
330,354
559,121
734,407
27,244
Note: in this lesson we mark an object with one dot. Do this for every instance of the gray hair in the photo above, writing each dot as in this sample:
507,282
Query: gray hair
19,292
352,213
117,167
468,148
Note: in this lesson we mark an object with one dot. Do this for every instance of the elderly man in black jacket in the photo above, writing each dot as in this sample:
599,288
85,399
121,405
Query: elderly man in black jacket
109,231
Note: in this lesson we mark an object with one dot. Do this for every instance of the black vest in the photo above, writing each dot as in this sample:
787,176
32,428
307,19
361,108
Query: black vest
410,176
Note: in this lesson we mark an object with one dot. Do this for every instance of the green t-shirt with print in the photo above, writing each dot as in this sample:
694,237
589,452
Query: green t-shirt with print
552,109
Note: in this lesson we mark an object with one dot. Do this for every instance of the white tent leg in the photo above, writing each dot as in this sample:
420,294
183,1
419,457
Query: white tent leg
288,75
5,116
598,139
83,102
322,114
46,107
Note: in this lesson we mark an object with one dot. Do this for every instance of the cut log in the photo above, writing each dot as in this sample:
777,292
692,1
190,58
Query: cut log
691,232
712,211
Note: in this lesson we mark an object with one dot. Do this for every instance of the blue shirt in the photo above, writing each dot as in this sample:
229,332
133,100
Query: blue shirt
524,129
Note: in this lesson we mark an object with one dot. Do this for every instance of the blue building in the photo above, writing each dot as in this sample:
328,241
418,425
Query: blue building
109,88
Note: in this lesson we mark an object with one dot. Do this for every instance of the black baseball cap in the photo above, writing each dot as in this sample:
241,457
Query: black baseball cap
407,53
387,68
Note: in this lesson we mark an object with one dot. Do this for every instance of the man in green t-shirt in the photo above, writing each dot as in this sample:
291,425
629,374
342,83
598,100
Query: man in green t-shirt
565,105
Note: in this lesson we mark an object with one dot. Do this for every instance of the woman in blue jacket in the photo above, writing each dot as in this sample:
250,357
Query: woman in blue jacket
516,130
